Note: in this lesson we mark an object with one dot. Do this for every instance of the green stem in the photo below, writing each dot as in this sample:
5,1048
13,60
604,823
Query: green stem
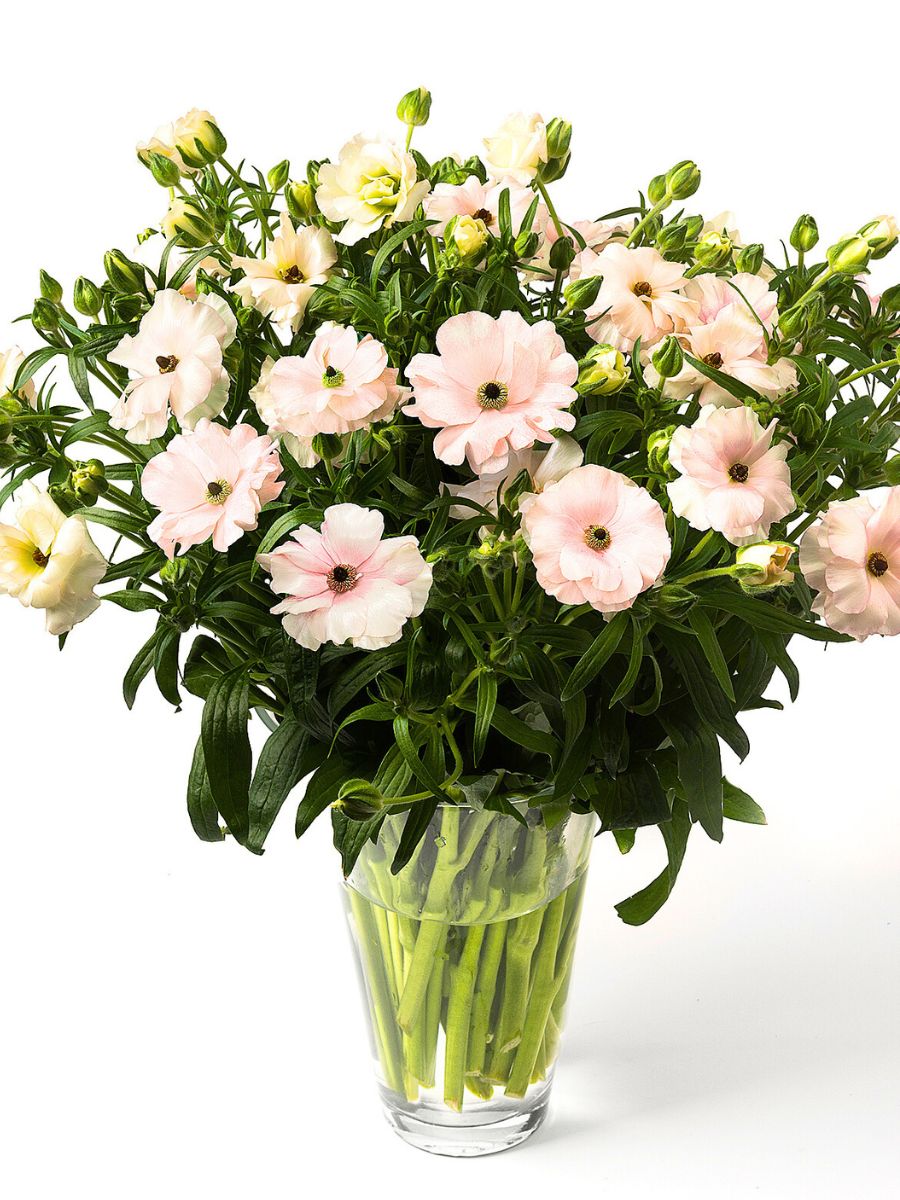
459,1012
543,993
485,991
386,1035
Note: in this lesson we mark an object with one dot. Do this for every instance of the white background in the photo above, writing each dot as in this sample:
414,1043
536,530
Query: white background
181,1020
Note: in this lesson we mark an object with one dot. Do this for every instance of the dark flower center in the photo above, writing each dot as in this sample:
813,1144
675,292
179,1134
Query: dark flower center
643,288
218,491
166,363
877,564
332,378
342,578
482,214
597,537
493,394
713,360
739,473
291,274
40,558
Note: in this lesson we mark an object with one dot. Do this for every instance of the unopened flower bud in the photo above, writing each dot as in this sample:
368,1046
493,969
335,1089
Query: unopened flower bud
581,293
656,189
87,297
602,371
50,289
668,358
198,139
415,107
890,299
806,423
805,233
127,277
175,571
278,175
682,180
88,481
881,234
750,258
763,565
187,222
469,235
128,308
713,250
163,169
658,451
559,135
673,600
792,322
526,244
44,316
562,252
8,454
849,256
301,201
671,238
693,227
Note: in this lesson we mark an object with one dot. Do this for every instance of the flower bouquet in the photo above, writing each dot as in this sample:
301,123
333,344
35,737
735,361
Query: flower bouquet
496,521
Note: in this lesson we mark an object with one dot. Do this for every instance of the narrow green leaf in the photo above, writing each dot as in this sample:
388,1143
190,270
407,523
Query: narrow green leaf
321,791
699,769
201,809
140,668
701,624
283,761
484,712
414,830
741,807
226,749
639,908
593,660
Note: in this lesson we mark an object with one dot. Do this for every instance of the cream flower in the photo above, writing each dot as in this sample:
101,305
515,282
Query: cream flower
299,448
176,359
641,296
517,149
281,284
178,138
10,363
50,561
372,184
480,201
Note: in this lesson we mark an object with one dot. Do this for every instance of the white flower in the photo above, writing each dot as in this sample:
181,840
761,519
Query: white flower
175,137
517,149
50,561
372,184
281,284
176,358
10,362
770,560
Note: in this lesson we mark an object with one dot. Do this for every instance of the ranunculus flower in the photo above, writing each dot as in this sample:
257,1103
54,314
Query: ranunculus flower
50,561
176,360
496,385
372,184
745,293
210,483
342,383
543,466
765,565
733,479
281,284
596,235
300,448
596,538
479,200
641,296
517,149
851,558
10,364
347,582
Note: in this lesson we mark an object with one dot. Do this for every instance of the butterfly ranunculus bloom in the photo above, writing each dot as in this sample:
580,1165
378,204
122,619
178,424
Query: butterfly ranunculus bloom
851,558
49,561
596,538
733,479
176,360
372,184
211,483
342,383
347,582
543,466
479,200
641,296
517,149
496,385
281,284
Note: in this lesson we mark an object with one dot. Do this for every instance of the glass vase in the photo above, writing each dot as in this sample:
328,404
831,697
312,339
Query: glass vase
465,957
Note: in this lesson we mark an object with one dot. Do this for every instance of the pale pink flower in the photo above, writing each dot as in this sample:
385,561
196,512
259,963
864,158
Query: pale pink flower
852,559
342,383
176,361
495,385
733,479
479,200
746,293
281,285
641,296
596,538
596,235
211,483
543,466
348,582
300,448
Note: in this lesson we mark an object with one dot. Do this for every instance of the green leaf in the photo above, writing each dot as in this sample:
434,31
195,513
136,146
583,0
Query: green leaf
283,761
85,429
406,231
709,700
762,614
516,730
573,765
699,769
632,799
361,674
484,712
414,830
741,807
226,749
139,669
321,791
206,662
701,624
201,809
408,749
135,600
635,658
639,908
350,836
165,664
593,660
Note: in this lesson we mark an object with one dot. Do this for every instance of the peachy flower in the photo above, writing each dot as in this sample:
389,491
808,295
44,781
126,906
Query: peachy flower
641,296
281,284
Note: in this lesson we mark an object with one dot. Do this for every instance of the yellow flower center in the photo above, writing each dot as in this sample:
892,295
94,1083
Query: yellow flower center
739,473
342,578
332,377
493,394
166,363
597,537
877,564
218,491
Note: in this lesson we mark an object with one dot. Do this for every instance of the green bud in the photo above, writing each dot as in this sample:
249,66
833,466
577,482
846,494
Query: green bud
581,293
526,244
713,250
199,140
671,238
278,176
44,316
187,222
656,189
805,233
50,289
792,322
602,371
682,180
561,254
8,454
559,135
10,405
890,299
162,168
448,170
175,571
693,227
328,445
62,494
658,452
128,308
668,358
806,422
127,277
672,600
881,234
415,107
750,258
87,297
849,256
301,201
234,240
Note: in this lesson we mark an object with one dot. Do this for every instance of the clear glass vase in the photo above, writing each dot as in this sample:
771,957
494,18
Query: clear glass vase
465,957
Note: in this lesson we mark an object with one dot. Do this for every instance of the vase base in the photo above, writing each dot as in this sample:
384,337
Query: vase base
451,1135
